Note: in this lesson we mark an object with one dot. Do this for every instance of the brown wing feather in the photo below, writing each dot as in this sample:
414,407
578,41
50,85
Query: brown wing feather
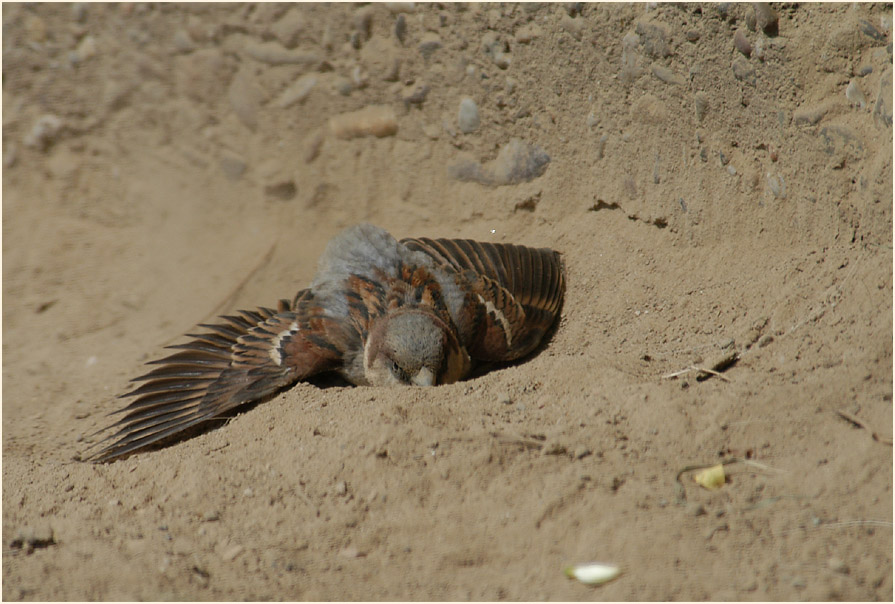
524,285
242,359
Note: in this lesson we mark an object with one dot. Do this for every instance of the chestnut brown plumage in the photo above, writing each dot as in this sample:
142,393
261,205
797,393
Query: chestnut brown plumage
378,312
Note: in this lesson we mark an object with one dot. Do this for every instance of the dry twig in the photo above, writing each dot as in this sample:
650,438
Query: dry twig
857,422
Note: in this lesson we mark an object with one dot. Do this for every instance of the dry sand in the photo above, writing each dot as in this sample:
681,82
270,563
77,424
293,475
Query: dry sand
704,201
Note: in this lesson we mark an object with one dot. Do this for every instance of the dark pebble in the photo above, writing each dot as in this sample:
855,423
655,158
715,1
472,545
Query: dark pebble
401,28
868,28
766,18
742,44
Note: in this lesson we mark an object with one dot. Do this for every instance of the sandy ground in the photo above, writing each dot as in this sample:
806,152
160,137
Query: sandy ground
165,163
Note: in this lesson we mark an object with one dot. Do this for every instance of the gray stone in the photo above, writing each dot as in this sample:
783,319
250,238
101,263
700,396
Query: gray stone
666,75
288,28
44,132
766,18
654,40
297,92
515,163
854,95
882,109
741,43
743,70
468,116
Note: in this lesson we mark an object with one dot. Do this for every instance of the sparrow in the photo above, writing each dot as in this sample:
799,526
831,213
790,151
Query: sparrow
378,312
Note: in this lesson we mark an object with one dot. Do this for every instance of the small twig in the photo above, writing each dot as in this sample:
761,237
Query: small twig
695,368
857,422
715,367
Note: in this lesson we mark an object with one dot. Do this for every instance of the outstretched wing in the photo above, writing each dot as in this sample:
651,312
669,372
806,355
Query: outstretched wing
244,358
516,292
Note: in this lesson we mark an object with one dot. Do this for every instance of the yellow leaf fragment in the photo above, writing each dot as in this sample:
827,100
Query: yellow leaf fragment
711,478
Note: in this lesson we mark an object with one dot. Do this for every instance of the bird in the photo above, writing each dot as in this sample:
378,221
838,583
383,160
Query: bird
378,312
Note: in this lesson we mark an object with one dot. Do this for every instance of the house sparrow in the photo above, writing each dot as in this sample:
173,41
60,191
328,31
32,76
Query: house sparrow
378,312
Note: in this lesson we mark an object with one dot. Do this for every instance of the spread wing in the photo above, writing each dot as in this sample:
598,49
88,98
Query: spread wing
514,292
244,358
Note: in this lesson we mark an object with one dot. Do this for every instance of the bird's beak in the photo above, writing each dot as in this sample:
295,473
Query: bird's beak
424,377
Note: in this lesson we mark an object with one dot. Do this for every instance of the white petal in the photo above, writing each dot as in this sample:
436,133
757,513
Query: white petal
593,573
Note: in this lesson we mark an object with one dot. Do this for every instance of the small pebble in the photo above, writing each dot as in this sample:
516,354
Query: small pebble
288,28
741,43
429,45
666,75
231,552
882,109
743,70
516,162
313,144
378,121
854,95
417,97
363,21
504,398
401,28
695,509
468,116
654,40
297,92
524,35
572,26
358,77
765,18
183,42
692,35
86,48
341,488
44,132
496,49
777,185
868,29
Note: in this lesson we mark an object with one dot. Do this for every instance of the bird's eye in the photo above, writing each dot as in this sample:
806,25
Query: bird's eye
397,371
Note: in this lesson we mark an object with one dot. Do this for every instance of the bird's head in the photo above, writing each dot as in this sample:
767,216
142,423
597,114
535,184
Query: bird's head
414,347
